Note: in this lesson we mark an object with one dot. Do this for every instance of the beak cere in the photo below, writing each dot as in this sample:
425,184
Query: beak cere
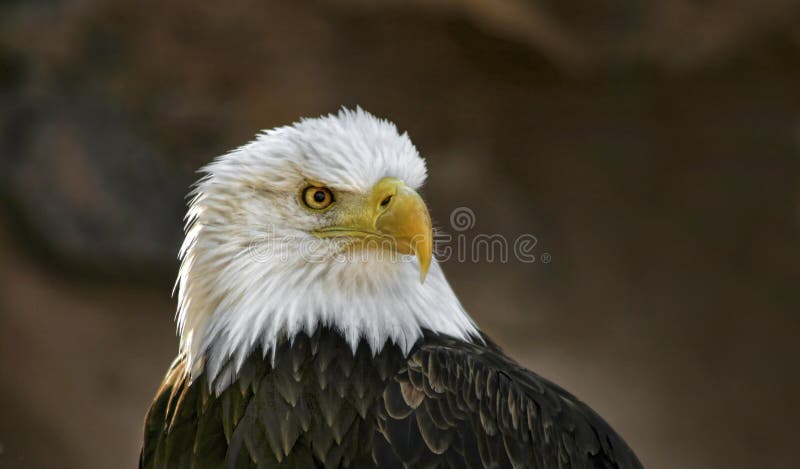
392,216
405,219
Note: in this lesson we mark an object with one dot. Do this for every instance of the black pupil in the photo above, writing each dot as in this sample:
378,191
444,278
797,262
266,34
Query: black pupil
319,197
386,201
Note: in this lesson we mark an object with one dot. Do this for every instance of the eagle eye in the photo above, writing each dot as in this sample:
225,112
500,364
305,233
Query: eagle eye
316,197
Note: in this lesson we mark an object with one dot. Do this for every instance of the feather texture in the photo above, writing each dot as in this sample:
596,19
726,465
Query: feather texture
450,403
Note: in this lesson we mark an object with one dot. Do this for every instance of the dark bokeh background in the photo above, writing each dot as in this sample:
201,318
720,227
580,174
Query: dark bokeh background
652,147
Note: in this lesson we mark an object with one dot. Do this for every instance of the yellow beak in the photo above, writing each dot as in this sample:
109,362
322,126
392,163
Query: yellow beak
393,215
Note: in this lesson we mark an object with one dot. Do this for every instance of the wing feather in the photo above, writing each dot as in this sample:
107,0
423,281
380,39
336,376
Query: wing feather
473,405
449,404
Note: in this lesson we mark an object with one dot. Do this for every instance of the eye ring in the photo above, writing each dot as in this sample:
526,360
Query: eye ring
317,197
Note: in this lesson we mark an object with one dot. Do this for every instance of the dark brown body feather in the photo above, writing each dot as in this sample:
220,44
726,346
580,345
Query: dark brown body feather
448,404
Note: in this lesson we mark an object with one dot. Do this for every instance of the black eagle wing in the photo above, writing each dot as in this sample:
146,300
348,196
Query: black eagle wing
449,404
464,405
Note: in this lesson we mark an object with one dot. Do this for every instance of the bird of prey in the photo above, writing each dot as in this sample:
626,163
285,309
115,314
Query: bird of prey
317,330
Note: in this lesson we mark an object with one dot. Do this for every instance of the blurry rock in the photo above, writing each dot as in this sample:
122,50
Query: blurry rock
579,37
89,188
604,34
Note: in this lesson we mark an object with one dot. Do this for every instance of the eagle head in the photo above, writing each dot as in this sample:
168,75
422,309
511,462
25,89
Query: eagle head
319,223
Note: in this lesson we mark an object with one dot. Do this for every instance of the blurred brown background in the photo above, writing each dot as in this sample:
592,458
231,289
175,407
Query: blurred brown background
652,147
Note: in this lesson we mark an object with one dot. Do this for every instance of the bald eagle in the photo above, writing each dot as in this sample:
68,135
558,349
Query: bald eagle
317,330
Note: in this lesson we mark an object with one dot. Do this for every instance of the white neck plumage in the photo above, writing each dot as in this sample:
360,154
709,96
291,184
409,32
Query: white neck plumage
233,300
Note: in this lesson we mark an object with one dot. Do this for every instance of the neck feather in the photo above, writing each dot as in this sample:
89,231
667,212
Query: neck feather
231,303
